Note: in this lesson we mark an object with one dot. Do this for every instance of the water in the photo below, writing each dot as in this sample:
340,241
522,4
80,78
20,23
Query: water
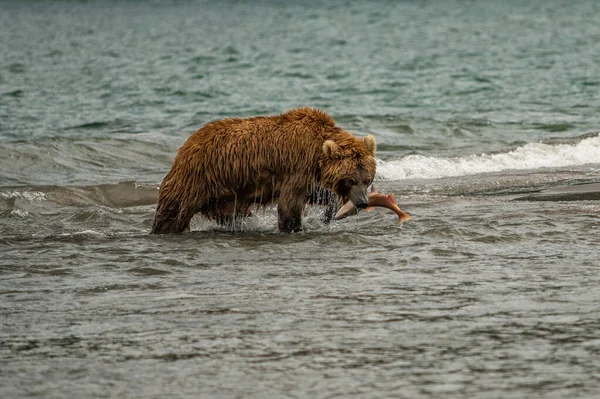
483,111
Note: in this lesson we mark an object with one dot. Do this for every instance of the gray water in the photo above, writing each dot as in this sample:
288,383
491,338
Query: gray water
486,115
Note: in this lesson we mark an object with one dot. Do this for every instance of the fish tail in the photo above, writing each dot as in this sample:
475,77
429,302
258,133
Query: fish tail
404,217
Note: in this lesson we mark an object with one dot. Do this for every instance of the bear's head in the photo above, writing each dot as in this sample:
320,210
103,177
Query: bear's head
348,168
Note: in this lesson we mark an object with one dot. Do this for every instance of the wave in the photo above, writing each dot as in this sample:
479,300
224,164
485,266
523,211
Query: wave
527,157
68,161
121,195
74,211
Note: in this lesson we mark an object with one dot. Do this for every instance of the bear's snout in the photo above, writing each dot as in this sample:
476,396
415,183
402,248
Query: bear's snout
358,195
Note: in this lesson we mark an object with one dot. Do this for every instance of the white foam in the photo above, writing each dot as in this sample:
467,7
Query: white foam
24,195
19,213
530,156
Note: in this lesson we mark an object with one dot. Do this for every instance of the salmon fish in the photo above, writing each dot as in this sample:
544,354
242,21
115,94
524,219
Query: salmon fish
375,199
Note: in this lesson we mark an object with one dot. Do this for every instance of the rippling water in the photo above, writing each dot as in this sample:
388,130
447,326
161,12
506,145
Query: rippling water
487,117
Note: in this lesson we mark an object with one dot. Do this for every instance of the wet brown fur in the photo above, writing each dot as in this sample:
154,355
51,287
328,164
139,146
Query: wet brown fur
230,165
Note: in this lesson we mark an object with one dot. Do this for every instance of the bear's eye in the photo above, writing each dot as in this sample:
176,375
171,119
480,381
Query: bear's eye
349,182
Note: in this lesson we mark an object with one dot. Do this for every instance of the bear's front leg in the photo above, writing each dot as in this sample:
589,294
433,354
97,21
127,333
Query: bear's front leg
290,209
290,222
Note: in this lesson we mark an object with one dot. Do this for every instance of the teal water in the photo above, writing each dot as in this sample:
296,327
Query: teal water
480,109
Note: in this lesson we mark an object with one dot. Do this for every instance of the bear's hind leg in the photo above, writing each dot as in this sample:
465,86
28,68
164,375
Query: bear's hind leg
164,223
170,222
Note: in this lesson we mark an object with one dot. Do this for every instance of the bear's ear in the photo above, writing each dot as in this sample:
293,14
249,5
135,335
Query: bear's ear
370,143
330,148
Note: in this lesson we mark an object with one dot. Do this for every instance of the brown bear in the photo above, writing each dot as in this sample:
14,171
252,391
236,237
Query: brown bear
230,165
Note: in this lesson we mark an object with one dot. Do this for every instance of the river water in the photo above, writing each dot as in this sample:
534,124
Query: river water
486,115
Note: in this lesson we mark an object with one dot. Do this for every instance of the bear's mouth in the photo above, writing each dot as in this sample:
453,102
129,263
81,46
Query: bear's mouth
348,209
356,198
